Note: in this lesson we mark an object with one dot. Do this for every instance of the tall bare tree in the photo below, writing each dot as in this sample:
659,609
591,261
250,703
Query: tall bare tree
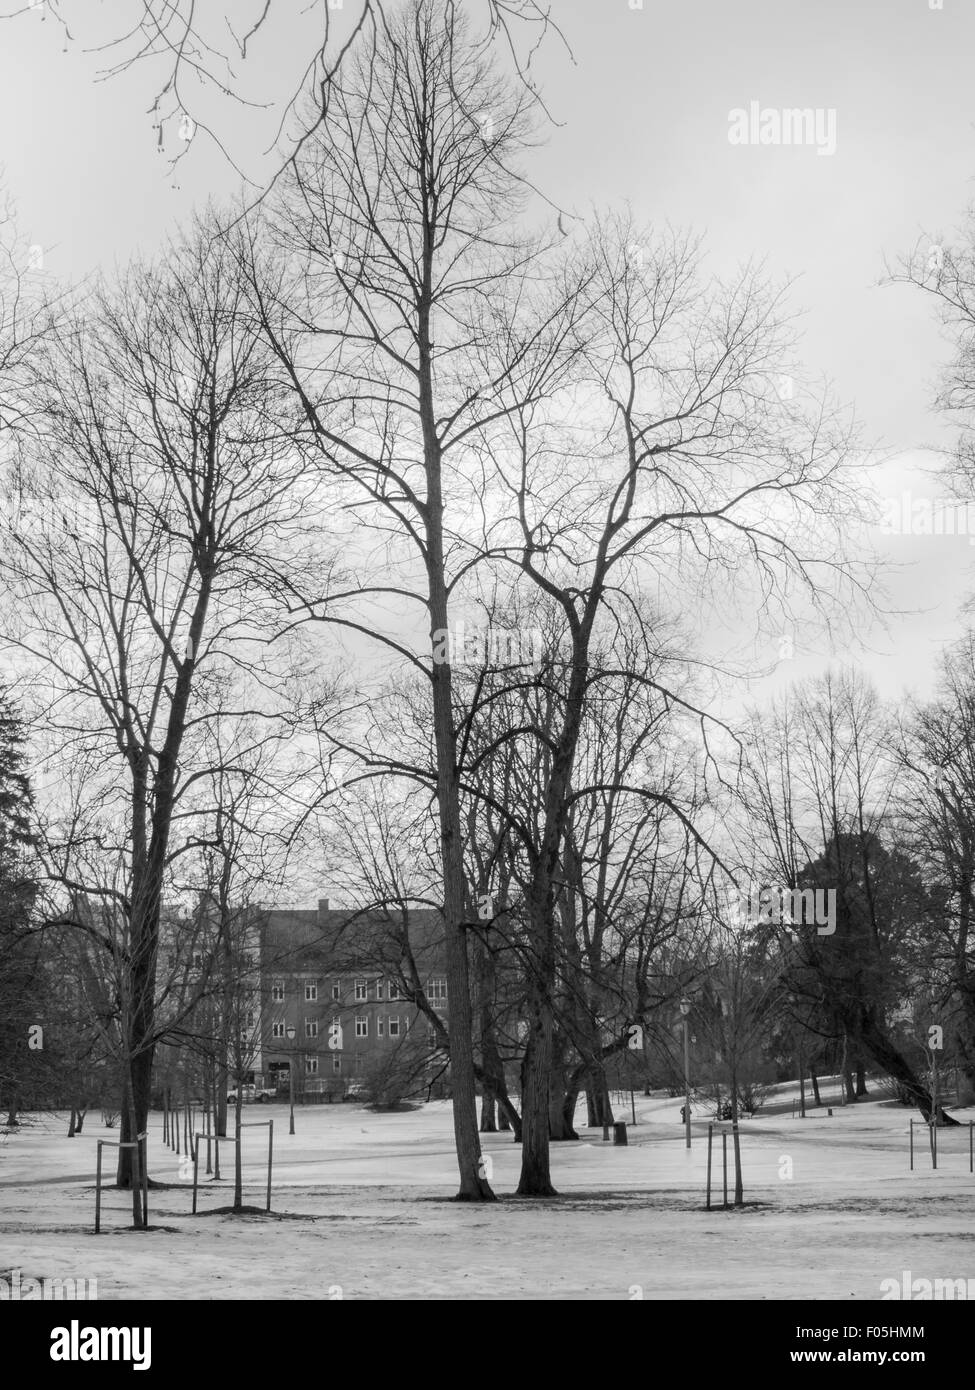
398,211
161,552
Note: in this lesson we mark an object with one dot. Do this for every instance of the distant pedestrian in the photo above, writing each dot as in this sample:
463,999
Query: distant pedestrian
683,1114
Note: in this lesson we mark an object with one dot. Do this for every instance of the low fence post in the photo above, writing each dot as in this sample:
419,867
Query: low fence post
710,1140
143,1142
98,1189
724,1166
270,1152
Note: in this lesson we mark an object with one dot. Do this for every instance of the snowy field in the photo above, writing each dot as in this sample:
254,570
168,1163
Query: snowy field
360,1210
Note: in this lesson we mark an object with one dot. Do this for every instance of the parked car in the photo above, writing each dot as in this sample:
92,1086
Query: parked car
251,1093
354,1091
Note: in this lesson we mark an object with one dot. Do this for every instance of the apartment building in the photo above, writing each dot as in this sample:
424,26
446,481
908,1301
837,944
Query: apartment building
337,991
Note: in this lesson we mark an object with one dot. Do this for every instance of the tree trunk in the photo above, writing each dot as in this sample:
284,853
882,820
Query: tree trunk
734,1093
861,1080
851,1094
220,1094
736,1149
135,1114
71,1125
473,1186
489,1110
562,1095
536,1071
129,1121
569,1102
561,1111
599,1111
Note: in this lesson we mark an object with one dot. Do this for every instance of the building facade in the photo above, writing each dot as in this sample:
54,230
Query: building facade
337,996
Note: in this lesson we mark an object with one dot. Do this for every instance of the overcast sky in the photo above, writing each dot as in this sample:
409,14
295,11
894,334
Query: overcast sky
643,106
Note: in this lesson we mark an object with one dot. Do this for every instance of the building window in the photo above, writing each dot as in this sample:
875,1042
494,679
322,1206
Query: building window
311,1065
311,1027
394,1027
337,990
249,1023
277,1030
380,1030
311,994
277,992
337,1065
360,991
379,989
437,991
361,1026
395,994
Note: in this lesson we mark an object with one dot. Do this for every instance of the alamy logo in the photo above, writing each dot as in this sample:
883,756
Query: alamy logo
797,907
77,1343
14,1288
791,126
924,1290
927,516
473,645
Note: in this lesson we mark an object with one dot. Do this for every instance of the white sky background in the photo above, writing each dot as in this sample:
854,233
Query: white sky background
644,111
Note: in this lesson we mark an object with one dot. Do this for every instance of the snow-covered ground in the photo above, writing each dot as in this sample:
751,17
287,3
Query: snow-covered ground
361,1209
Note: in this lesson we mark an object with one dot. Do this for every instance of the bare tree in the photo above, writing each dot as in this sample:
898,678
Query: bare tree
682,463
398,211
162,550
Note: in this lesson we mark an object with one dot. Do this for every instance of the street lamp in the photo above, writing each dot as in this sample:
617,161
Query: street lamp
685,1008
291,1076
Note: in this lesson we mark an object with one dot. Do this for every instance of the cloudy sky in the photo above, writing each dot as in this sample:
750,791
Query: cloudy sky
642,105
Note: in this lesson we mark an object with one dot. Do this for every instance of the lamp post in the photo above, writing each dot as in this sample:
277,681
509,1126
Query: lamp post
291,1076
685,1008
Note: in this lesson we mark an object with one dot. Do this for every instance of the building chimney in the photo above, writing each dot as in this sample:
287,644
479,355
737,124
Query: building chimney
322,907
